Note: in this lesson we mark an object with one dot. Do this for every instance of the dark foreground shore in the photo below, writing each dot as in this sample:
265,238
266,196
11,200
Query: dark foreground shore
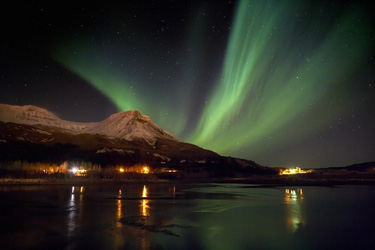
304,180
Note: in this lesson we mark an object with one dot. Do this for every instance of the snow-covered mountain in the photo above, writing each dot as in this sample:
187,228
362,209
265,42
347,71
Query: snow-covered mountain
128,125
32,134
32,115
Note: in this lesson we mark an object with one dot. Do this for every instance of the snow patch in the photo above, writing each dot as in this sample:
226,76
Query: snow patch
164,158
42,131
117,150
47,139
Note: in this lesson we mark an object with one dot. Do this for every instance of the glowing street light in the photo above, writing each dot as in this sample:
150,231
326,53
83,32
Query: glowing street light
145,170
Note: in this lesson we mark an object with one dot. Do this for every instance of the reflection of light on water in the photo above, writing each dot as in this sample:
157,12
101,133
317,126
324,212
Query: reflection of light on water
73,208
144,203
174,192
145,212
144,192
145,244
145,208
293,199
72,213
119,209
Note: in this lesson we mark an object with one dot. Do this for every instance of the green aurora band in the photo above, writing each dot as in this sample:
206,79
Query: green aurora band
276,77
127,94
269,79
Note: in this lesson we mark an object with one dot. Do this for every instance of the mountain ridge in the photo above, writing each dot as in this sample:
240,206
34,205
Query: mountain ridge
32,134
129,125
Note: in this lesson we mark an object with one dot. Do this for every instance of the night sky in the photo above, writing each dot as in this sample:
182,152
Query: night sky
283,83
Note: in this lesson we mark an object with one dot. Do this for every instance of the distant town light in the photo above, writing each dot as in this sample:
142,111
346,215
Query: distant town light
145,170
122,170
296,170
81,172
78,172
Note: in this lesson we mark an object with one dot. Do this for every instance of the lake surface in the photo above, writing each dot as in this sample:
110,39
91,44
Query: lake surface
186,216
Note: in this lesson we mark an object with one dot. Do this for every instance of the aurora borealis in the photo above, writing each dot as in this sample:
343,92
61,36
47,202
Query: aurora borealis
284,83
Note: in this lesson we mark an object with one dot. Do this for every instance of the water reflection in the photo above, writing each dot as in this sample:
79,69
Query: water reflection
145,208
173,191
254,218
119,209
72,213
293,200
145,244
73,208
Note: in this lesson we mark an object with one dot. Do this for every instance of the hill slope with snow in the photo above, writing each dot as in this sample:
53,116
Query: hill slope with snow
32,134
128,125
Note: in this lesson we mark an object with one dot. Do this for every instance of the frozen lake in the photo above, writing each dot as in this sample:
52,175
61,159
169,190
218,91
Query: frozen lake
186,216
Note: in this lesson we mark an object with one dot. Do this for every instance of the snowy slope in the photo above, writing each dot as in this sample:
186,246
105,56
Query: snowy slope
129,125
32,115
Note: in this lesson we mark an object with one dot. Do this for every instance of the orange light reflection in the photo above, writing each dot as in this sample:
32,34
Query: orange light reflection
144,203
293,200
119,209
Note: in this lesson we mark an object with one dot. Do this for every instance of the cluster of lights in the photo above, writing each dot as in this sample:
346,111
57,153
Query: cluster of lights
144,170
296,170
78,172
48,171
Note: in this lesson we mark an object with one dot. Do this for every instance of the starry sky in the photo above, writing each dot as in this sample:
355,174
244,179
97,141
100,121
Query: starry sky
283,83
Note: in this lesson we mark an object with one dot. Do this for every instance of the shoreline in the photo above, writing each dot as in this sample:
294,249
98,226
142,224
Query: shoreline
262,181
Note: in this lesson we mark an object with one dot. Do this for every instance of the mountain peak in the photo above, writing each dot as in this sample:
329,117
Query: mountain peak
129,114
130,125
27,114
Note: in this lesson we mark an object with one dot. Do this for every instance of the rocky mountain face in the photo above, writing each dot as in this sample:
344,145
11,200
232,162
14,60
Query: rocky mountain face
32,115
129,125
34,134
